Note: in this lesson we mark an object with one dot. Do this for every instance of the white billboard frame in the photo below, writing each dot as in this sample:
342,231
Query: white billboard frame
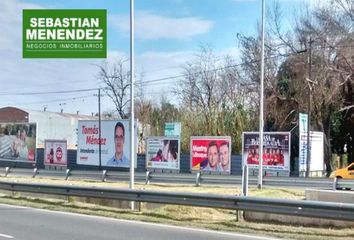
162,138
12,159
89,155
210,138
266,167
66,152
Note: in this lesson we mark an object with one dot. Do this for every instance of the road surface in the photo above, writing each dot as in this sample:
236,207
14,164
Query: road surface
24,223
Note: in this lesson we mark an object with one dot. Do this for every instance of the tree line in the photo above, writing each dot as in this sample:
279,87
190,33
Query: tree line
309,66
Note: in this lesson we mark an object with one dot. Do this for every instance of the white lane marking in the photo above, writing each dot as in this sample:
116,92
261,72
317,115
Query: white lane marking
152,224
6,236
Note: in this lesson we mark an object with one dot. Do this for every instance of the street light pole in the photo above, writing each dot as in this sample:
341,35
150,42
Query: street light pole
132,134
99,129
261,124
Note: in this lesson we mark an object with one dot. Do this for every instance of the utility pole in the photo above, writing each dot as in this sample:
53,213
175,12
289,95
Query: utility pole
261,124
99,128
309,82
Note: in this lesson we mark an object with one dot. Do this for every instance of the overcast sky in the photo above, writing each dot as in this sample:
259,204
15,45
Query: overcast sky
168,34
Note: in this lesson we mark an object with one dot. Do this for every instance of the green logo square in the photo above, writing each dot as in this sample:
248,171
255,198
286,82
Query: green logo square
64,33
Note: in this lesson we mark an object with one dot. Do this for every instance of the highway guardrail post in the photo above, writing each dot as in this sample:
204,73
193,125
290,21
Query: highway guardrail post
7,171
35,172
147,177
67,174
198,179
335,183
104,175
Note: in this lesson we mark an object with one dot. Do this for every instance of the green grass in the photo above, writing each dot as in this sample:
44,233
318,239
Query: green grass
208,218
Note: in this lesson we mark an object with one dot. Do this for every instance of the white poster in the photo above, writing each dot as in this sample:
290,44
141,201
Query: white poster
115,143
316,162
55,152
163,153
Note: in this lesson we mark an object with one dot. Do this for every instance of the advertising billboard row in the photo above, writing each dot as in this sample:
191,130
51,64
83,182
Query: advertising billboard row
211,154
18,141
163,153
115,143
55,152
208,154
276,150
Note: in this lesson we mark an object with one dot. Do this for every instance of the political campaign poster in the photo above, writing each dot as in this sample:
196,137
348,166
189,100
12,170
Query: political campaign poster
276,150
55,152
18,141
163,153
211,154
115,143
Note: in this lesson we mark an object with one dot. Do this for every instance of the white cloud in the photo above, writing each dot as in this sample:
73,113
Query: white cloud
155,61
151,26
11,22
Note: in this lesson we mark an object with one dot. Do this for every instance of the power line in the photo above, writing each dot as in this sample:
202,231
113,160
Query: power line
54,101
156,81
239,64
43,93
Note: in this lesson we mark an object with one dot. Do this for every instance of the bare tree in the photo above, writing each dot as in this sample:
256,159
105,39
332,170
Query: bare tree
316,48
200,90
117,81
213,96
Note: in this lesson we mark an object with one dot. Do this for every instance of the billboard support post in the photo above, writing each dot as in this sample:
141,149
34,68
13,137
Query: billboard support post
245,180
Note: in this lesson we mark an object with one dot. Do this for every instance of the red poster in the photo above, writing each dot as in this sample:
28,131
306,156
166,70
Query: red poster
211,154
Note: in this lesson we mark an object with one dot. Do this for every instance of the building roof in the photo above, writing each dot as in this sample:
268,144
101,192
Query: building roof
14,114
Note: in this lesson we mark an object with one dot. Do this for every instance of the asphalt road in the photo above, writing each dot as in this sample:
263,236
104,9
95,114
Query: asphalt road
34,224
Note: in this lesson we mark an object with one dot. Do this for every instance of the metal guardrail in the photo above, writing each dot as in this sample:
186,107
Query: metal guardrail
328,210
340,183
197,179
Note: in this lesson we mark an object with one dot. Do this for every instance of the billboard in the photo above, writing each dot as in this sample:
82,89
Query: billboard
163,153
303,123
211,154
55,152
173,129
18,141
317,153
276,150
115,143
